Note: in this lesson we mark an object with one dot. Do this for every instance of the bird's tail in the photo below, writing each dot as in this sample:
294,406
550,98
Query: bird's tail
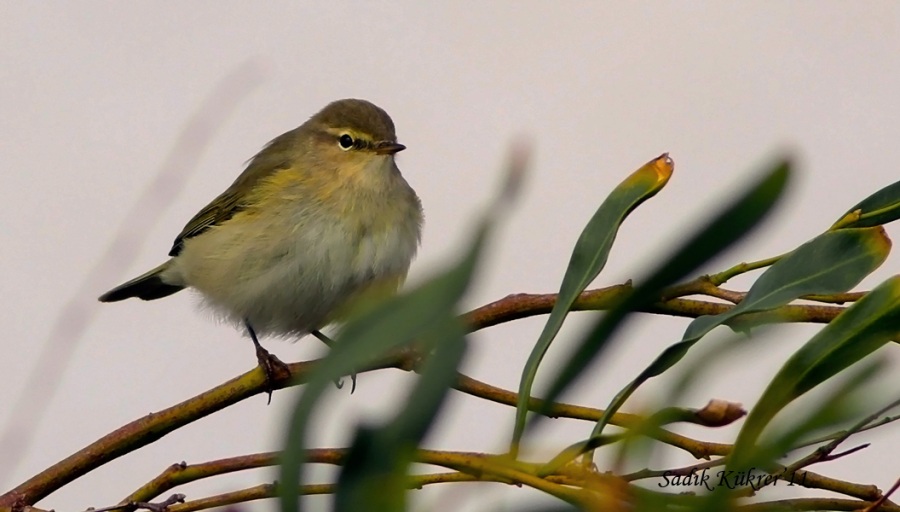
148,286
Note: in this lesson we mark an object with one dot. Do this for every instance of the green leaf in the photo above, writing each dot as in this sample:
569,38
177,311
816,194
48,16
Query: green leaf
842,405
860,330
857,332
728,226
438,374
375,474
588,258
386,326
833,262
877,209
390,325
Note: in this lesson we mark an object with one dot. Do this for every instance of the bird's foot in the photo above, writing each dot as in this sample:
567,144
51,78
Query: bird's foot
274,368
338,383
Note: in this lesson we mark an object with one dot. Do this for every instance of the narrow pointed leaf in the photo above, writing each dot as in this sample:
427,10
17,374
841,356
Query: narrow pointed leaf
728,226
588,259
861,329
877,209
375,476
386,326
390,325
438,373
833,262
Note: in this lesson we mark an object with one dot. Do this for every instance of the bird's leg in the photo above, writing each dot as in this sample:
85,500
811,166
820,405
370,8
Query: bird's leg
330,343
270,364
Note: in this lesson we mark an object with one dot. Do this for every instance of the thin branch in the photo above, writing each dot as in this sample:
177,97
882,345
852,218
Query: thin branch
267,491
180,474
131,506
880,423
684,471
699,449
812,480
824,453
722,277
729,295
524,305
881,501
259,492
702,286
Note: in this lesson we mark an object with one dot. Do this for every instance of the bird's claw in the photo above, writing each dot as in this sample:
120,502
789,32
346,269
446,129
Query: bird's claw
274,368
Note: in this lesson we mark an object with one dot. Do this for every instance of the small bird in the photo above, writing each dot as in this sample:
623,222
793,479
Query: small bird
321,216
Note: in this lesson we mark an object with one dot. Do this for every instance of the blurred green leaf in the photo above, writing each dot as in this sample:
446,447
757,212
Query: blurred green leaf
833,262
374,476
857,332
877,209
728,226
438,373
861,329
385,326
842,405
588,258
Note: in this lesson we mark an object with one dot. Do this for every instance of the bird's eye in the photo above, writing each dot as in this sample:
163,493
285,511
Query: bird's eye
346,141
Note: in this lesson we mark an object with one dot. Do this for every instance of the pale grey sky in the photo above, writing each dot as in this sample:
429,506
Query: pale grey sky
96,94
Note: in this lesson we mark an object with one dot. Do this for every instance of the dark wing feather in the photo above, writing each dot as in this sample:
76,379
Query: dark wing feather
218,211
277,155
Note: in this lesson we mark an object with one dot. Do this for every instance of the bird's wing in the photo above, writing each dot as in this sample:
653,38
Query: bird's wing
218,211
270,160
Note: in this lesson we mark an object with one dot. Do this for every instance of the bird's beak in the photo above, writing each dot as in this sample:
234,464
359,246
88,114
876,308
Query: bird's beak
388,148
